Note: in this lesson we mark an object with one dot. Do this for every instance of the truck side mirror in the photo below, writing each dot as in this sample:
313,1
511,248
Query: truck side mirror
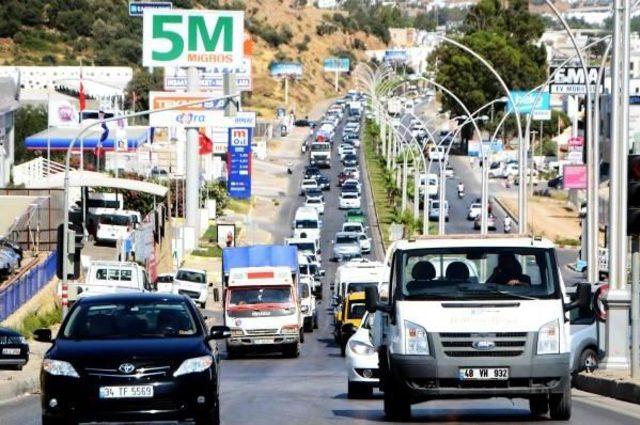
583,299
371,299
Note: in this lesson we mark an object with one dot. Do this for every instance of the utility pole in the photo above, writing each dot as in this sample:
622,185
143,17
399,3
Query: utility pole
192,167
618,300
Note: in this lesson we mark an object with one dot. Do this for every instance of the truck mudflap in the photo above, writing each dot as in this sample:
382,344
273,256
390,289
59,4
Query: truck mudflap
428,377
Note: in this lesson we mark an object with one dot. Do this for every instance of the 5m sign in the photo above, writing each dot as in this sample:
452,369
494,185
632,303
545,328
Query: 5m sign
192,38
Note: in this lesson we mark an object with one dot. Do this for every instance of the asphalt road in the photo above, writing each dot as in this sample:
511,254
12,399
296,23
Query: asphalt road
312,389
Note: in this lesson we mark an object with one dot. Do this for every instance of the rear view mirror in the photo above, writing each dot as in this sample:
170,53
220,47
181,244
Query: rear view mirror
583,297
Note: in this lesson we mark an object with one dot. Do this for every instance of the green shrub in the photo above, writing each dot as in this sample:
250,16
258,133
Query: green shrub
36,320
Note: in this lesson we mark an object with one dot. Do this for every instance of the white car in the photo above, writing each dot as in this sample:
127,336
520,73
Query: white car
354,182
164,283
353,171
192,283
316,203
343,147
362,362
308,184
113,226
434,210
347,150
349,200
436,153
474,211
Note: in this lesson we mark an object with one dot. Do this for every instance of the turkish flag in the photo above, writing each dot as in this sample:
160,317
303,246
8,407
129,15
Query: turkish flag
82,98
206,145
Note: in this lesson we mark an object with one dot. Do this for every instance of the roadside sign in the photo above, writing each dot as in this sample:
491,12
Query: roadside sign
239,165
544,115
204,114
574,176
211,78
136,8
571,80
192,38
524,101
245,119
336,65
283,69
576,148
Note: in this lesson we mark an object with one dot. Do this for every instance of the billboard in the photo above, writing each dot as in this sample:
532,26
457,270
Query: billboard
396,55
203,114
62,114
192,37
524,102
137,8
336,65
571,80
285,69
239,163
211,78
574,176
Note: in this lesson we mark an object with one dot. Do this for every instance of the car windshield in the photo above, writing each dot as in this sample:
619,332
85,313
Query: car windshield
243,296
306,224
352,228
115,219
477,273
349,195
314,201
190,276
346,239
130,319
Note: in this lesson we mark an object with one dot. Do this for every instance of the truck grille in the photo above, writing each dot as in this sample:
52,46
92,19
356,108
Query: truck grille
461,344
261,331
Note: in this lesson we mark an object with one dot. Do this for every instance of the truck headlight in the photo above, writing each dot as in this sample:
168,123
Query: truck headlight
59,368
415,339
549,338
290,329
361,348
194,365
237,332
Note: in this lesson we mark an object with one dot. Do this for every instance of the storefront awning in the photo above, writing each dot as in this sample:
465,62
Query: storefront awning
78,178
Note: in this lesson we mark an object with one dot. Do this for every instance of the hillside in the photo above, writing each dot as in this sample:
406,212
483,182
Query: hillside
61,32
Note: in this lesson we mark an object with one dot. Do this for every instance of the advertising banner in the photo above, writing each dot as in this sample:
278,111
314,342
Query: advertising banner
575,176
576,148
524,102
187,38
396,55
285,69
336,65
62,114
211,78
204,114
473,148
239,163
571,80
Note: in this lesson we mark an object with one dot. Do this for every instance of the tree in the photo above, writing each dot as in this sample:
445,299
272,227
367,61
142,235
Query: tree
28,120
506,37
425,22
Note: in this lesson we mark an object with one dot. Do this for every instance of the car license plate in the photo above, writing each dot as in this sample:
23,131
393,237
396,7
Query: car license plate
134,391
264,341
11,351
484,374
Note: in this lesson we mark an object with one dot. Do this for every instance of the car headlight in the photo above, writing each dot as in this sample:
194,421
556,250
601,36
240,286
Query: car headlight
415,339
304,309
361,348
194,365
59,368
290,329
549,338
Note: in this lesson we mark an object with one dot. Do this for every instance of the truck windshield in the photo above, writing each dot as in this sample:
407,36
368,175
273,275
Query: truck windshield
270,295
306,224
477,273
320,147
189,276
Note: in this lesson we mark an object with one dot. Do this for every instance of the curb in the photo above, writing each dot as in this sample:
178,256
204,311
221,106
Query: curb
608,387
12,389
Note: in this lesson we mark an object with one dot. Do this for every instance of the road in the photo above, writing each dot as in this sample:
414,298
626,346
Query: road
312,389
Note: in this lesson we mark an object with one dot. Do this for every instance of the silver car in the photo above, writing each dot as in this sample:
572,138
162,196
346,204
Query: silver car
346,246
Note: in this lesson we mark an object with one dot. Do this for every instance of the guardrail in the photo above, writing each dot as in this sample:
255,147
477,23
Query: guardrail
23,289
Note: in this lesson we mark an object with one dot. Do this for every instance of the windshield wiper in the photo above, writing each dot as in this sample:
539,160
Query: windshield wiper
505,293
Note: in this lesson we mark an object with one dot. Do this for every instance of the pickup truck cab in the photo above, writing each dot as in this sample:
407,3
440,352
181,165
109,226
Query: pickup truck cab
192,283
501,330
111,277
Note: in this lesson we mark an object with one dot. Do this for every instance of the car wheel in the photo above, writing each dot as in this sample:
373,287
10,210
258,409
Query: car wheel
539,405
560,405
212,417
588,360
356,390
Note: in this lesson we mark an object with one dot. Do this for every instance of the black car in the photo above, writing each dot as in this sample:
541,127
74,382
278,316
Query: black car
311,172
131,357
14,350
323,182
350,160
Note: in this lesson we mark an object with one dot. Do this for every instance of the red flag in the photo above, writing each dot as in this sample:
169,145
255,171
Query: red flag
82,99
206,145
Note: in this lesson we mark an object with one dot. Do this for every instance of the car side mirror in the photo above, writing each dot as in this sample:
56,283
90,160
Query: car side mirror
43,335
583,299
219,332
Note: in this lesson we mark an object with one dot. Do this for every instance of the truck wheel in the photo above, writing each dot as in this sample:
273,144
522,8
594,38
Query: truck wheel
588,360
292,351
560,405
315,322
302,336
308,325
397,405
357,390
539,405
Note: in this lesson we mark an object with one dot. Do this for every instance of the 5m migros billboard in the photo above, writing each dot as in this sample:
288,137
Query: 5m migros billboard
186,38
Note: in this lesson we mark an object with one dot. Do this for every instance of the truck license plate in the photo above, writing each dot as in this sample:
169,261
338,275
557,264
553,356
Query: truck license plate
133,391
11,351
262,341
484,374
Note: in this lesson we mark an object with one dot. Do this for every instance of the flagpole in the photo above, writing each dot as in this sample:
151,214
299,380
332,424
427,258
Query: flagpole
48,130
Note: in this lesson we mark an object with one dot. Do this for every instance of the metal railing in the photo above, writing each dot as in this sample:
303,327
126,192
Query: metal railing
23,289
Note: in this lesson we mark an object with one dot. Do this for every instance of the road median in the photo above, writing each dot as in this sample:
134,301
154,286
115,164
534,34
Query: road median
609,384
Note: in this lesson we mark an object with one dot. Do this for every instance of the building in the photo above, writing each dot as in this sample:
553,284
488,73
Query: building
8,106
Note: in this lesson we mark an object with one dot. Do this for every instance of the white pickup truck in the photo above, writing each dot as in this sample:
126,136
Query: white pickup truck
110,277
474,317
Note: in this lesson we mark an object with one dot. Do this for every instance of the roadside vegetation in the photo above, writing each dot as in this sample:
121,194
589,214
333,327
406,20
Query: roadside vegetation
40,319
208,245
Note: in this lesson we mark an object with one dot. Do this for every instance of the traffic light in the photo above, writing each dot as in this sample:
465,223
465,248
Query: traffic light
633,195
71,253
